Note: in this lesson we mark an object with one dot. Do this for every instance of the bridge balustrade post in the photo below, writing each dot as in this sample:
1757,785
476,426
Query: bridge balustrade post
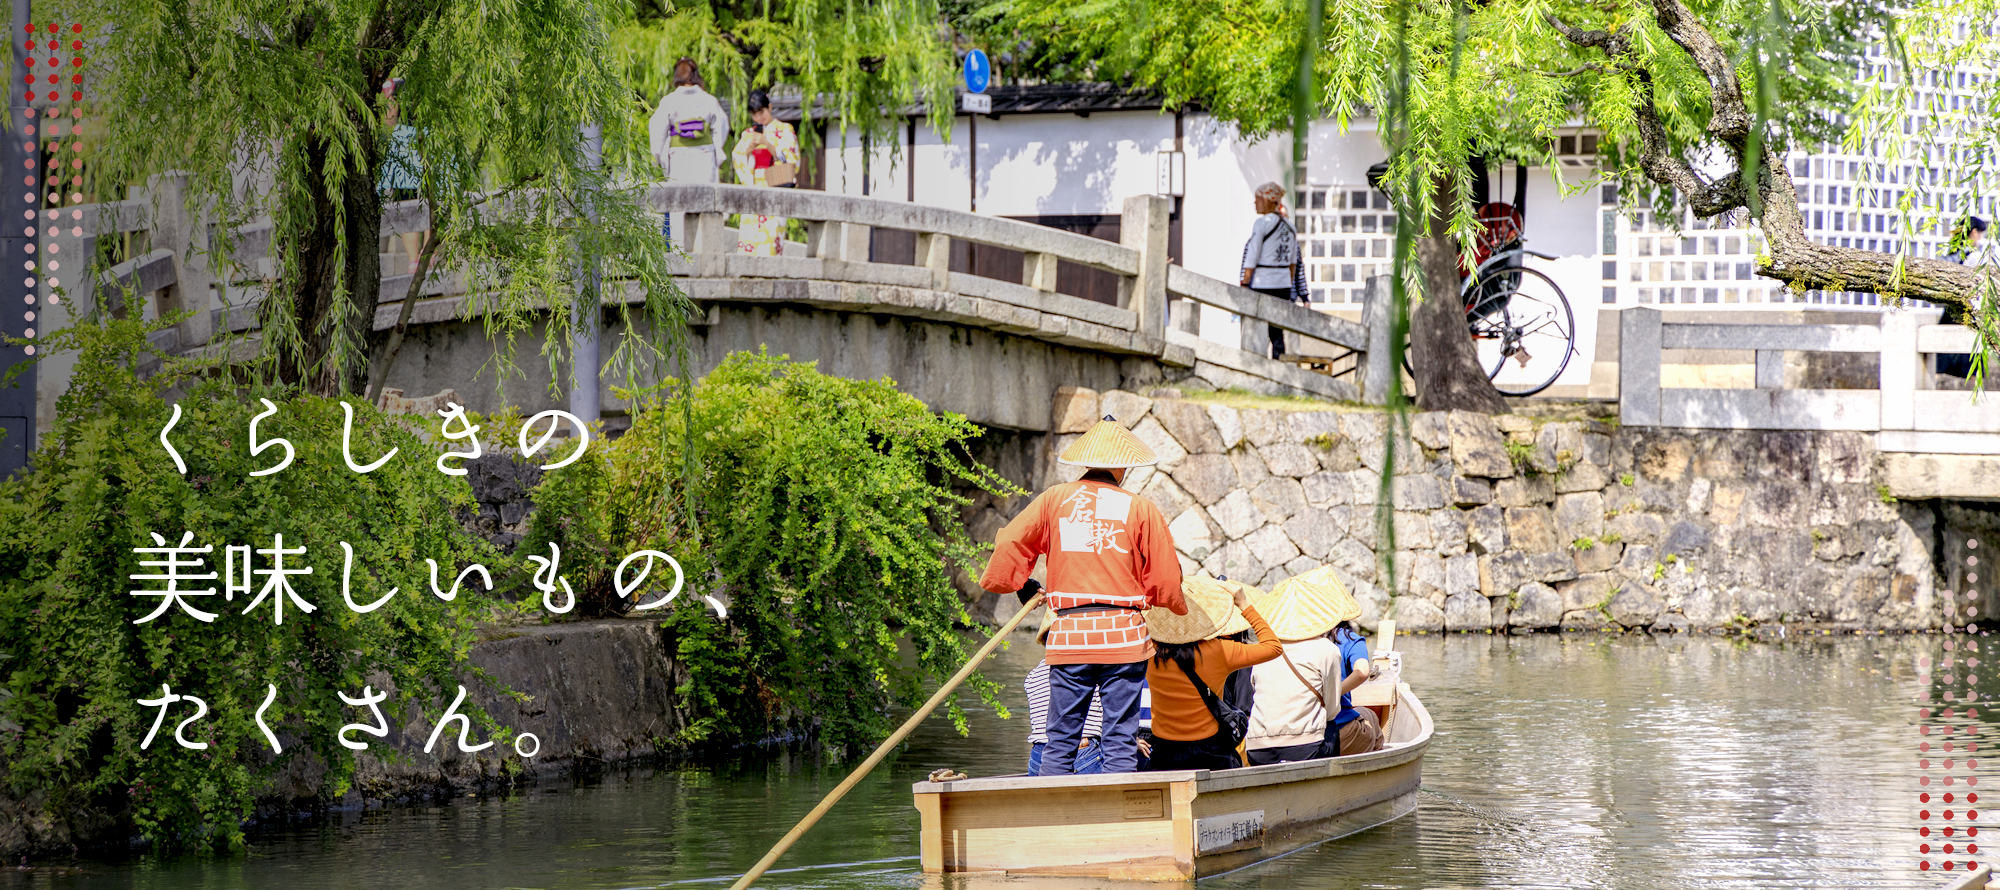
1375,366
1143,227
1770,369
175,228
712,241
1639,367
1038,270
851,244
1185,316
1902,367
934,253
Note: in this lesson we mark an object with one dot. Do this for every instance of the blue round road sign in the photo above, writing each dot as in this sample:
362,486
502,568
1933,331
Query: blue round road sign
978,71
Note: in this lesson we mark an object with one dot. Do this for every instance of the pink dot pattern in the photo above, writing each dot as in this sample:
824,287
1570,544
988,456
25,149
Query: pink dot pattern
1948,734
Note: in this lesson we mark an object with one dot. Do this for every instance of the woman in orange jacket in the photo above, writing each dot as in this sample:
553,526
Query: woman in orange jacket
1185,732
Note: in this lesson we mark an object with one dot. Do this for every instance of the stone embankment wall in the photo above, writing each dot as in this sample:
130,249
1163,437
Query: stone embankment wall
1507,523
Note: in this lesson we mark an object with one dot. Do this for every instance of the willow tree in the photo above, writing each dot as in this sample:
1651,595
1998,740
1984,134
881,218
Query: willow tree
1697,103
857,60
290,94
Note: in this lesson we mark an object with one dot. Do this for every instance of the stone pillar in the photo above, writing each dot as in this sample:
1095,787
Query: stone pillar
1639,367
1144,229
185,233
1038,270
934,253
1376,366
1903,368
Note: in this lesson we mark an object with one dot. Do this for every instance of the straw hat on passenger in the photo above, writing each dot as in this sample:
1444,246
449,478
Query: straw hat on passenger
1308,605
1108,446
1209,608
1236,623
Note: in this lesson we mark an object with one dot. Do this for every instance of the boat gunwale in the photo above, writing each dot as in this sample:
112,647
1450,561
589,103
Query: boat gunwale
1214,780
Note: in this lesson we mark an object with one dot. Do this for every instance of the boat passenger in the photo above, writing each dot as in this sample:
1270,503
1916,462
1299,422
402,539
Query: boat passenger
1354,730
1090,759
1289,721
1187,733
1109,559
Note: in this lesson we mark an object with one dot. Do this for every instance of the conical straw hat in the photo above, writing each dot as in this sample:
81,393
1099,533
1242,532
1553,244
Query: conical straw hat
1108,446
1237,623
1209,607
1308,605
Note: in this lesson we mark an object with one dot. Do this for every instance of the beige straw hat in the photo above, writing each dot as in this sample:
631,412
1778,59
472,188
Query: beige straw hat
1237,623
1308,605
1209,608
1108,446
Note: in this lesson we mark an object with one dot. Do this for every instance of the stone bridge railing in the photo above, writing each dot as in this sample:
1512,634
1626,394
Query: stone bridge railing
831,270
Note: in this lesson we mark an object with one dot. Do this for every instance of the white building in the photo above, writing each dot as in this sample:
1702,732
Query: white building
1067,155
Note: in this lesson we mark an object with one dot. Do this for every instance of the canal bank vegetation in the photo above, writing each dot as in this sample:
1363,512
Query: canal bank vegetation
76,650
822,512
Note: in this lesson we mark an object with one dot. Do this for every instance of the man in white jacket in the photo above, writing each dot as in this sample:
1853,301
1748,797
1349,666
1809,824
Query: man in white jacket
687,131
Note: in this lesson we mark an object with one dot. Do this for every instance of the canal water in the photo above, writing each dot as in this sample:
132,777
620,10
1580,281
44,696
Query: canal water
1559,762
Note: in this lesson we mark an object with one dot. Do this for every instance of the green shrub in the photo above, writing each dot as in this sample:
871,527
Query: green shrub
102,483
824,516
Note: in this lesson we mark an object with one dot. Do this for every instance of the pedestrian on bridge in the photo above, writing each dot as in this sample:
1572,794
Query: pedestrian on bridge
1110,558
1968,246
766,155
1271,258
687,131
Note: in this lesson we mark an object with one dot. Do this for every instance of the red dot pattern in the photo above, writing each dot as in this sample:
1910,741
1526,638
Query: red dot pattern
1961,658
55,153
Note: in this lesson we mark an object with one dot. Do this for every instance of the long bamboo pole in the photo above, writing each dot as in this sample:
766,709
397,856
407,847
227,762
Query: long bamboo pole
881,751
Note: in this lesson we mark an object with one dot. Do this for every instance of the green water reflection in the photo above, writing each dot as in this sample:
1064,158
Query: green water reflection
1628,762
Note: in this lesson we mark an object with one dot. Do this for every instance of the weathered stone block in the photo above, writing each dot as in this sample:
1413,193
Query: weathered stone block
1413,530
1467,611
1280,498
1685,538
1638,528
1461,574
1775,503
1585,621
1360,524
1314,533
1365,429
1271,546
1309,425
1164,445
1670,623
1638,560
1340,458
1364,486
1417,615
1697,499
1665,458
1486,529
1599,557
1263,427
1448,532
1190,426
1250,468
1477,448
1208,477
1234,560
1531,530
1500,611
1470,492
1536,605
1513,423
1426,573
1563,442
1587,591
1192,534
1325,488
1506,572
1524,491
1228,424
1296,461
1423,492
1075,409
1167,495
1238,515
1299,566
1127,408
1356,558
1431,429
1579,515
1635,606
1581,477
1597,448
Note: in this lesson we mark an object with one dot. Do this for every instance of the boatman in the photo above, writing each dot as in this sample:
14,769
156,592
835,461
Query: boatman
1109,559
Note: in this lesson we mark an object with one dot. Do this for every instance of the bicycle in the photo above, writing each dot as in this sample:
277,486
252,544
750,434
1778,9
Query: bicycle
1514,313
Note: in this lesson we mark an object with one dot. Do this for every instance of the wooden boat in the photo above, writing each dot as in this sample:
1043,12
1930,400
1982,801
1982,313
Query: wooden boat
1181,825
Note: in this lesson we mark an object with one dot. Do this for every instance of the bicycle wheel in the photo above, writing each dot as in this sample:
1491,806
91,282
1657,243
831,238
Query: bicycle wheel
1524,335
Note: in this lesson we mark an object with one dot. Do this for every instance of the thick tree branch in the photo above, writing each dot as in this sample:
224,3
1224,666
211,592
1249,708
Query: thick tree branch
1795,258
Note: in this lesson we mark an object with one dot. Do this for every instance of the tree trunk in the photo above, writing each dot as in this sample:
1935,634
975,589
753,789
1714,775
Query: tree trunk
334,316
1441,354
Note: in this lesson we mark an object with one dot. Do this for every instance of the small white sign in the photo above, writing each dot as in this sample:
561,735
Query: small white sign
1173,174
1236,831
975,103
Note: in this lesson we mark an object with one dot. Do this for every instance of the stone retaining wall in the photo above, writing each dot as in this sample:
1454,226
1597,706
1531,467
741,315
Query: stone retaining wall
1507,523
